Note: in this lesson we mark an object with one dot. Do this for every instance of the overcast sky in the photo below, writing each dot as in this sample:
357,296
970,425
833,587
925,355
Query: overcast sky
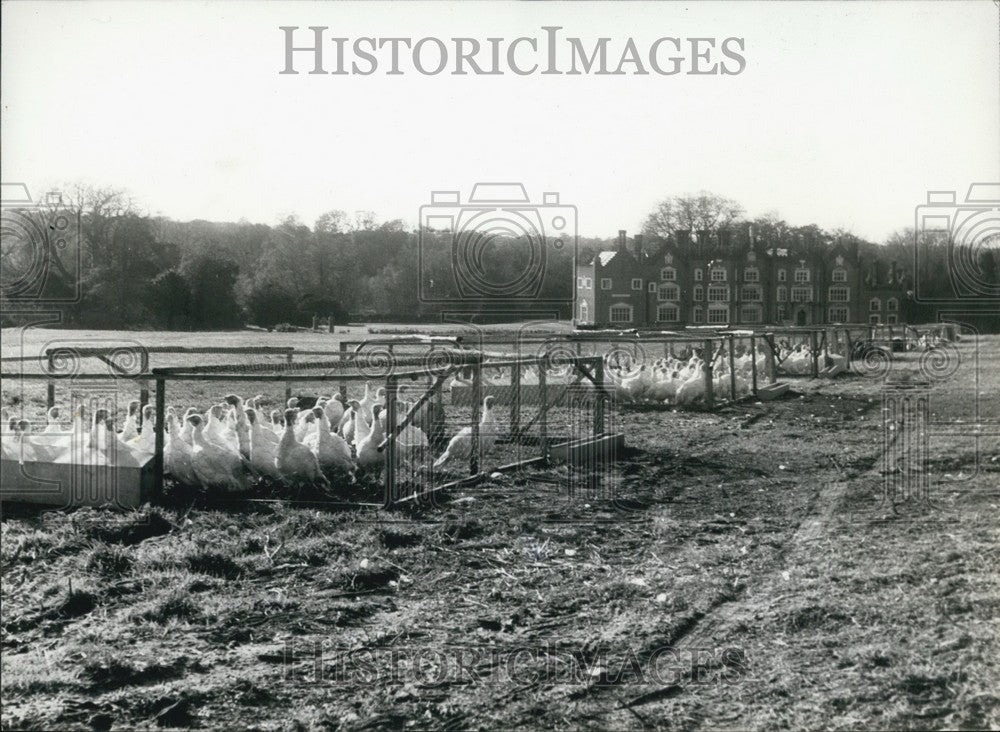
844,116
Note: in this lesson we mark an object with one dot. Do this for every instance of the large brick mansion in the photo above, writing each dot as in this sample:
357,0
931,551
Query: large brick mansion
683,282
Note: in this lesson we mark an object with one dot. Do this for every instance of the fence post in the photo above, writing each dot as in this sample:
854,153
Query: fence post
814,349
343,384
159,429
599,397
543,405
732,369
288,384
50,388
707,371
436,435
143,385
770,368
477,399
391,388
515,400
753,363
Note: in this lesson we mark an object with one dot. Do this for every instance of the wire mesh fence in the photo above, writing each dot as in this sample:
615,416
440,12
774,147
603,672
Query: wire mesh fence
656,369
418,412
795,352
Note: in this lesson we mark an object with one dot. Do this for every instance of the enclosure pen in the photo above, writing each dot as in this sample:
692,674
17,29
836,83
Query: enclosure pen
355,367
538,381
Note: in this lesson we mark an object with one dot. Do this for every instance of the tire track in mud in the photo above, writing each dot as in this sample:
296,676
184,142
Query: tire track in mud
702,629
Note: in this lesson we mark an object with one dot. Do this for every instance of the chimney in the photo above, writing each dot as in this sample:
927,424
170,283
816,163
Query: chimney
892,272
873,274
621,239
637,243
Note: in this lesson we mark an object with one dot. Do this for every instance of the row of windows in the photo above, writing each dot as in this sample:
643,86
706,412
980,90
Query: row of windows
669,274
841,314
716,293
620,313
752,293
802,294
720,293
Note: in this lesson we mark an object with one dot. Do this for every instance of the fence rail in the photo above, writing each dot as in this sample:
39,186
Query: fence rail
395,490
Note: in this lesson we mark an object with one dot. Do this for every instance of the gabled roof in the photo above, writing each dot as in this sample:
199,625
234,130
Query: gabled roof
606,256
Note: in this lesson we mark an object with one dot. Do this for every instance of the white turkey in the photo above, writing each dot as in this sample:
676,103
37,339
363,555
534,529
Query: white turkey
334,408
305,422
215,467
368,454
52,420
460,446
217,431
242,426
130,428
355,426
145,442
295,461
331,449
263,447
277,423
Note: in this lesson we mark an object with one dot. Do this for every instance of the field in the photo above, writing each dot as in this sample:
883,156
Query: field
749,573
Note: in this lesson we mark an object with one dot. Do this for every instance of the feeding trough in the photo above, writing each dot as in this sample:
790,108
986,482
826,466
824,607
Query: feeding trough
65,484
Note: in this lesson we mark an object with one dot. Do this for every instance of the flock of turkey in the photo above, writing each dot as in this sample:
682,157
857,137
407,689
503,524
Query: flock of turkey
310,440
234,441
671,380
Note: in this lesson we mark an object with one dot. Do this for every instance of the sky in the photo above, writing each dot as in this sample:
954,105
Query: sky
845,115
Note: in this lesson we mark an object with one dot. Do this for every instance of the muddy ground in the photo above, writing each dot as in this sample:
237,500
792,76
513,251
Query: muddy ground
748,571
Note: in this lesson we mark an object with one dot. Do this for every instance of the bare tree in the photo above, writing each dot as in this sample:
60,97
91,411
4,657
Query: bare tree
332,222
692,212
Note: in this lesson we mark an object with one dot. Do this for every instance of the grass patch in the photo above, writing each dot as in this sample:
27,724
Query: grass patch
115,670
815,617
175,604
131,528
110,560
213,563
397,540
371,577
462,529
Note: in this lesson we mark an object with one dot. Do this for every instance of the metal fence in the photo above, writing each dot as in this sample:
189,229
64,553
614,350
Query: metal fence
427,442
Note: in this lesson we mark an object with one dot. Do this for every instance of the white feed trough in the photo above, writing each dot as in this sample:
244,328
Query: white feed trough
78,478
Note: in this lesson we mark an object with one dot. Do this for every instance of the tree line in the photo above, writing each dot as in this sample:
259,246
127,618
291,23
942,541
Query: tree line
142,271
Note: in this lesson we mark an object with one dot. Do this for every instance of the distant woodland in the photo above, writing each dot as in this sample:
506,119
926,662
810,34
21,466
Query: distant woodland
127,269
